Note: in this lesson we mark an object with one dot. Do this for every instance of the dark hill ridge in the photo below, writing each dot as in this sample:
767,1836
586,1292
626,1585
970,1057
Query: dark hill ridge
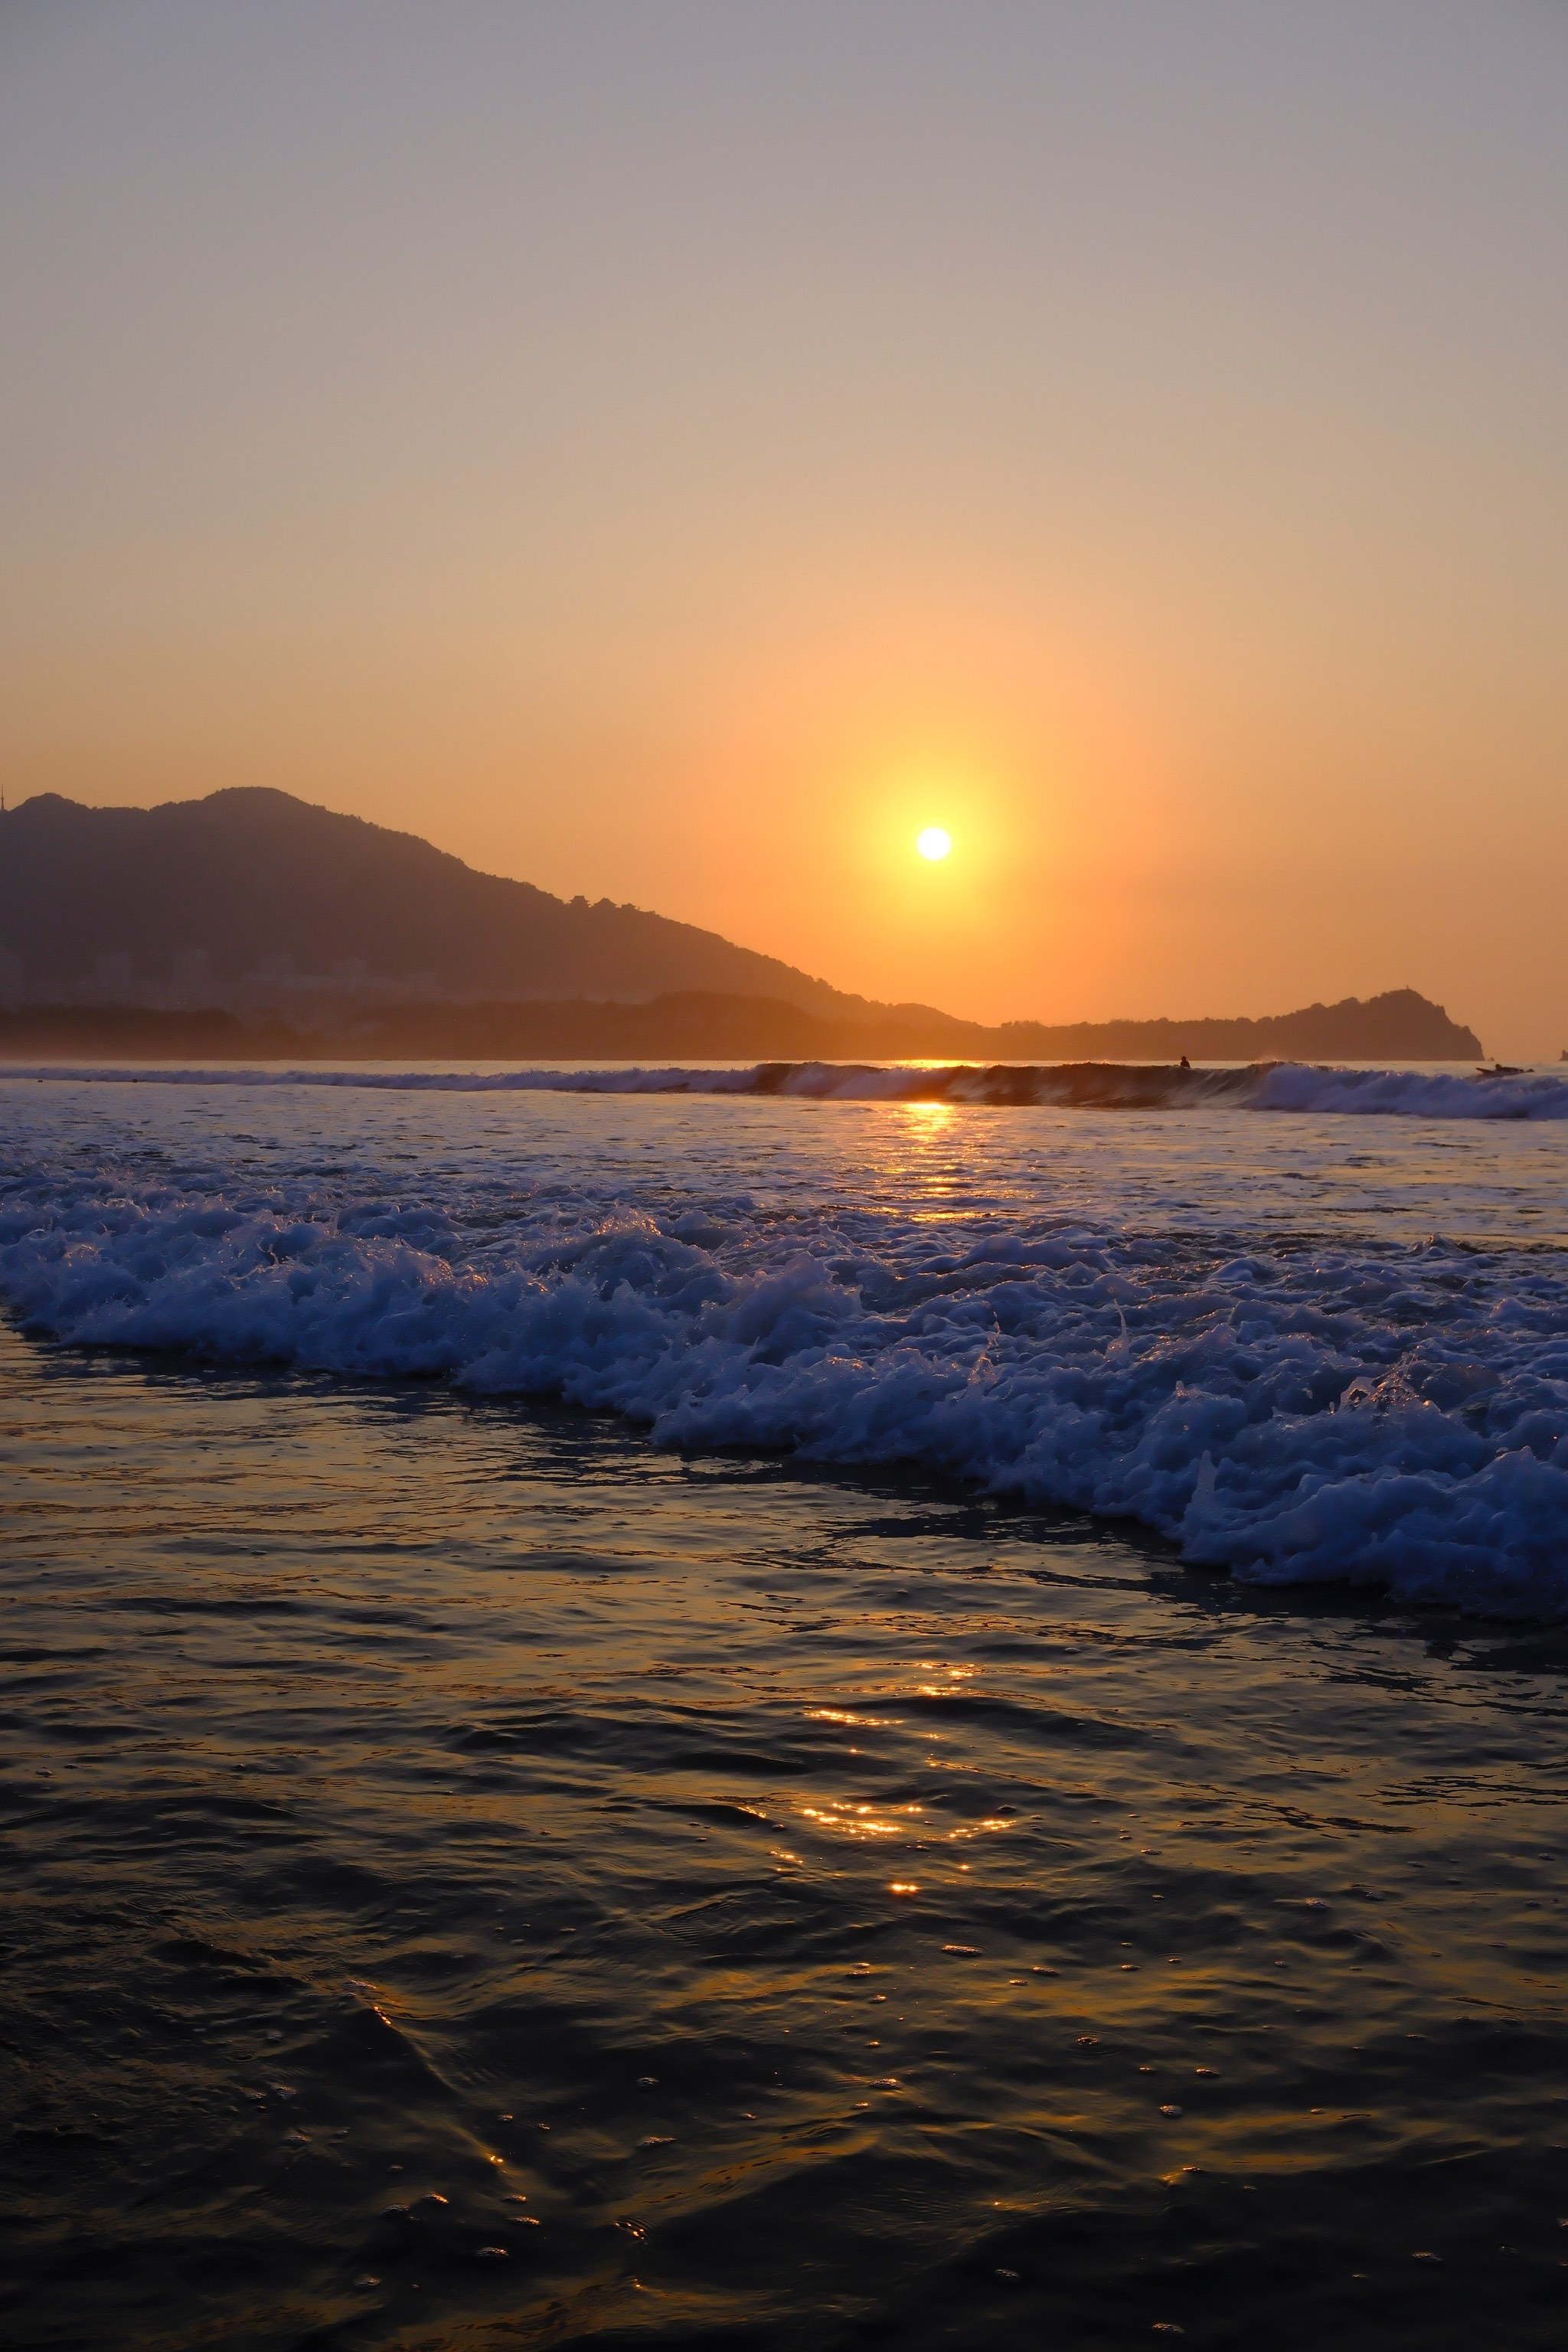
251,922
1399,1024
254,899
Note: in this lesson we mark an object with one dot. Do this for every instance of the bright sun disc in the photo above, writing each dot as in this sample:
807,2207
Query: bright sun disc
933,842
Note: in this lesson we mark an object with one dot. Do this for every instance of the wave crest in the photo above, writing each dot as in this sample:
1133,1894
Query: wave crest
1089,1086
1295,1413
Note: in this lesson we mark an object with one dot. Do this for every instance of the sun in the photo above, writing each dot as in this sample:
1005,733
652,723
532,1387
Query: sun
933,842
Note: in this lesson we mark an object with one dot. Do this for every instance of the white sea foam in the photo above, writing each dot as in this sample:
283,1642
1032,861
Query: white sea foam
1430,1093
1411,1094
1297,1409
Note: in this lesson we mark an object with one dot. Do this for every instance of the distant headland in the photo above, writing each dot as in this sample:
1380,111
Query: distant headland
252,925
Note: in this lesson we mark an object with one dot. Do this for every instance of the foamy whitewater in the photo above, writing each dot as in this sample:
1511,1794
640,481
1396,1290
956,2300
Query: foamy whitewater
1326,1346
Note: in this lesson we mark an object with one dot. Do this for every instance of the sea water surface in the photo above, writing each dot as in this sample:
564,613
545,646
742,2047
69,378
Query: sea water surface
736,1720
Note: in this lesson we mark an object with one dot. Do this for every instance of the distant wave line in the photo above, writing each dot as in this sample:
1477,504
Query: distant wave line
1095,1086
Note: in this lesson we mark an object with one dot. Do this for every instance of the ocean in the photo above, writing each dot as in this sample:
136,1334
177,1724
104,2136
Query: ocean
784,1709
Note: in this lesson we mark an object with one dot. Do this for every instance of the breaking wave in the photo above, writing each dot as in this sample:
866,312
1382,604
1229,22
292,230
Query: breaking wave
1430,1093
1295,1411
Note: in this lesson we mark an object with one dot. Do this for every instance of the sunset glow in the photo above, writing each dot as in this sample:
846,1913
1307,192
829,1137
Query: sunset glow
925,513
784,1052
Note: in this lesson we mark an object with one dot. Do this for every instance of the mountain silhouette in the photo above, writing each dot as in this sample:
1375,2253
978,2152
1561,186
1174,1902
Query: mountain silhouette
252,897
253,922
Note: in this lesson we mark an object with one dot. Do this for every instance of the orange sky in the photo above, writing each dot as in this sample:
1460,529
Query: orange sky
675,454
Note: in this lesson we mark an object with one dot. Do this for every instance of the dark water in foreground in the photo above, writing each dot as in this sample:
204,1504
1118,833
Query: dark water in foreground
1029,1942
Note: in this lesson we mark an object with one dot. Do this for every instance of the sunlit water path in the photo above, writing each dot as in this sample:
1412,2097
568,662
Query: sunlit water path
1023,1937
477,1878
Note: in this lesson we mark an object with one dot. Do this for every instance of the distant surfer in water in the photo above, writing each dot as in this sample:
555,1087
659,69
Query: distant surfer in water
1186,1063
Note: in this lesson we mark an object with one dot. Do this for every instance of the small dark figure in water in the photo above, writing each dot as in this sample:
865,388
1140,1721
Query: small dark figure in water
1187,1065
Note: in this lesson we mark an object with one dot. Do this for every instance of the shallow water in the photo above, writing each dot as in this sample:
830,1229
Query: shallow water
1030,1940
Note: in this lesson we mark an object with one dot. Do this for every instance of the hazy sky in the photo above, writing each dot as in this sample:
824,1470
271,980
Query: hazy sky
673,450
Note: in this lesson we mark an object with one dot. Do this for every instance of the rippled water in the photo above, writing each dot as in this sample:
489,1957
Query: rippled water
475,1877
